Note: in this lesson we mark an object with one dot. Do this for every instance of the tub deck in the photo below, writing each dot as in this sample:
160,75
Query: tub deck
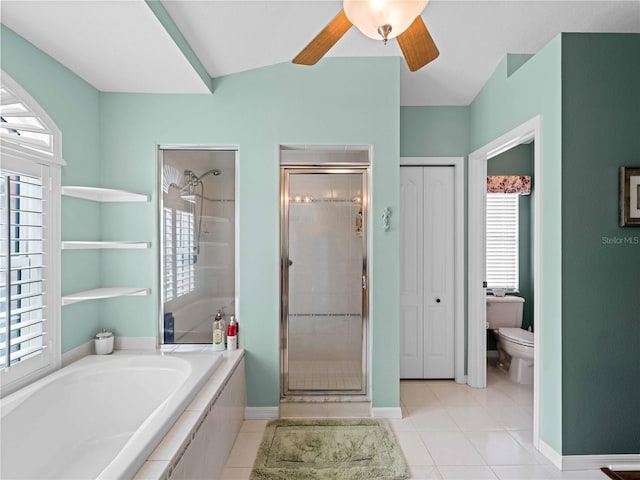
102,416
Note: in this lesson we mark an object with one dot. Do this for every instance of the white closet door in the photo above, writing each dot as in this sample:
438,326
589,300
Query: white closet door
411,272
427,239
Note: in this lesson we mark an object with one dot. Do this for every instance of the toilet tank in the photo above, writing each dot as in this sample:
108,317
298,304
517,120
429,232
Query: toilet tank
504,311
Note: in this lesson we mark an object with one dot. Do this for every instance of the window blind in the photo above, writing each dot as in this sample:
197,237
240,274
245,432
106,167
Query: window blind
185,272
168,255
502,241
22,294
179,244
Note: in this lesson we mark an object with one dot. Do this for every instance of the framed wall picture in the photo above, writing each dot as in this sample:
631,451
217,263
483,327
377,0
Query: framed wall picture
629,196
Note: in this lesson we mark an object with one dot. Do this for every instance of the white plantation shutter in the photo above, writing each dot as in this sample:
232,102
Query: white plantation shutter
179,243
502,241
26,131
169,261
31,146
23,296
185,272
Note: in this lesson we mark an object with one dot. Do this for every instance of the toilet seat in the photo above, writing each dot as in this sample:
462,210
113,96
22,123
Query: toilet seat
517,335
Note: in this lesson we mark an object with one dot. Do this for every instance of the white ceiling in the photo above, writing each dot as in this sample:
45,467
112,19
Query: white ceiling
120,45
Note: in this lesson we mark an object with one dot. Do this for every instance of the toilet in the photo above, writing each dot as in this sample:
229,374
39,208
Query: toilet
515,345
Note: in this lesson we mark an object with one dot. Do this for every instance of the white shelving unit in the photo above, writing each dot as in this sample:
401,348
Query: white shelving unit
214,244
88,245
100,293
103,195
212,219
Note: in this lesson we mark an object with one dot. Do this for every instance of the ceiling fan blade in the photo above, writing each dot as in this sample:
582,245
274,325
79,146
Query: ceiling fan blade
417,45
323,42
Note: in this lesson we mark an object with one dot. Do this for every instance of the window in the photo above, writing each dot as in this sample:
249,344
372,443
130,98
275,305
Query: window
179,244
29,239
502,241
169,257
22,295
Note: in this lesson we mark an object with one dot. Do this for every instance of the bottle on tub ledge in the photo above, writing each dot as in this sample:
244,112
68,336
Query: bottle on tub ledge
232,334
219,333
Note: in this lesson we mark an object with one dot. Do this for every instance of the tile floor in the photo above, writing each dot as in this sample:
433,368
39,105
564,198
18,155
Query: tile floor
451,431
325,375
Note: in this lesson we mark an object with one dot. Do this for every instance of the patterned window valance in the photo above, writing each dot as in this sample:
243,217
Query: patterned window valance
509,184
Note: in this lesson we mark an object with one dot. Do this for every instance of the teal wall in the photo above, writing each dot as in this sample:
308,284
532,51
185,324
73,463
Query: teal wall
506,101
589,295
258,110
111,140
434,131
601,273
74,106
519,161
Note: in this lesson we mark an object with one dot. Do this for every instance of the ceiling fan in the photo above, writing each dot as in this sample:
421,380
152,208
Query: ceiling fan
378,19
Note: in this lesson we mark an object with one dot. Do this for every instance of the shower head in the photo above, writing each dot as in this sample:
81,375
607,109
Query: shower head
214,171
194,179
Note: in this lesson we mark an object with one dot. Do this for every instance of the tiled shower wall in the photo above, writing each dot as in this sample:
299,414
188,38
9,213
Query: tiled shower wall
325,278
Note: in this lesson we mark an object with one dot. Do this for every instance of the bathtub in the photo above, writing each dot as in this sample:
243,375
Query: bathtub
100,417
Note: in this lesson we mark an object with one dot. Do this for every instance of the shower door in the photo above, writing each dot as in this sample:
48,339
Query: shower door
323,281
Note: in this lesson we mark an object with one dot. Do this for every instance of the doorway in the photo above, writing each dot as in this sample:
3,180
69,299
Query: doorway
324,291
476,292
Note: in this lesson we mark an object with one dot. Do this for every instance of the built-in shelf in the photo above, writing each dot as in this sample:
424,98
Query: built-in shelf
85,245
212,219
98,194
100,293
214,244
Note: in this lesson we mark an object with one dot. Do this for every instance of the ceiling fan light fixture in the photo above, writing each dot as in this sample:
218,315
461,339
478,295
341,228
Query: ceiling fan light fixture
374,18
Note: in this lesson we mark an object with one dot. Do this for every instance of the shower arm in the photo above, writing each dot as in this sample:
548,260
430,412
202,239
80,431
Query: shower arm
192,182
195,179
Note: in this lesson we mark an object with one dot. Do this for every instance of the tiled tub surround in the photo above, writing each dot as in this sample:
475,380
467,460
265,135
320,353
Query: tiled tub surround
102,416
199,442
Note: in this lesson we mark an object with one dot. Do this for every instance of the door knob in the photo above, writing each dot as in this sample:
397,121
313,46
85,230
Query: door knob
290,262
437,300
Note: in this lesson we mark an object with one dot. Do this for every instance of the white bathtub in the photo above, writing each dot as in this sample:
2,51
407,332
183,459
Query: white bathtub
100,417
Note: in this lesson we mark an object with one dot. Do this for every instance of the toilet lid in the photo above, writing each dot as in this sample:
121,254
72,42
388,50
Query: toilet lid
517,335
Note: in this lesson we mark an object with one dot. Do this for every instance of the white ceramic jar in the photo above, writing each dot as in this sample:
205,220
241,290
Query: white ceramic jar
103,342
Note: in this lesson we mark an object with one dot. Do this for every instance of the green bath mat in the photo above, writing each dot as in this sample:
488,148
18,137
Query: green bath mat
329,449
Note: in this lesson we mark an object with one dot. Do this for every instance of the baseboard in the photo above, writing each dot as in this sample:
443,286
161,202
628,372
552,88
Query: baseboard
261,413
461,380
386,412
589,462
554,457
77,353
135,343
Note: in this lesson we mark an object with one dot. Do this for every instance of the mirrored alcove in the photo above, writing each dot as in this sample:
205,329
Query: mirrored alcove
196,211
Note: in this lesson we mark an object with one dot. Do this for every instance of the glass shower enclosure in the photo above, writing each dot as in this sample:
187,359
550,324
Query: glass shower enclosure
196,216
323,281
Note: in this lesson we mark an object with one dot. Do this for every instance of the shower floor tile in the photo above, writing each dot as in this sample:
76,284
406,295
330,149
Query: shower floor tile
325,375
